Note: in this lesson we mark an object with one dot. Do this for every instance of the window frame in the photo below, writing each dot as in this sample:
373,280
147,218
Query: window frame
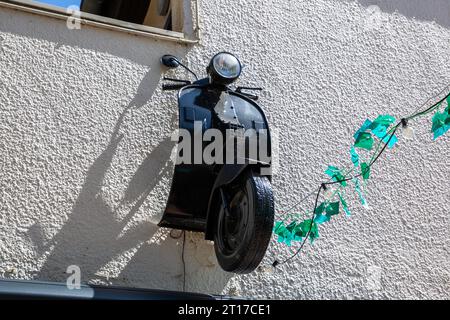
88,19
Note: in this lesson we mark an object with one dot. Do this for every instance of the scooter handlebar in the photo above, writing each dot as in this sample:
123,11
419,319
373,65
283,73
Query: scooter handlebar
173,86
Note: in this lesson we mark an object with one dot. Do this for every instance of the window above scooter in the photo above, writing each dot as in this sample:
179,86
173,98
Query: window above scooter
224,68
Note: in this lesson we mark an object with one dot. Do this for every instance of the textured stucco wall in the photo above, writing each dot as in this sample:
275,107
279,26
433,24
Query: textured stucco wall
84,149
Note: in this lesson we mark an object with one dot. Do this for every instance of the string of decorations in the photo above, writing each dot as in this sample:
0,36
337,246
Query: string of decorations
376,136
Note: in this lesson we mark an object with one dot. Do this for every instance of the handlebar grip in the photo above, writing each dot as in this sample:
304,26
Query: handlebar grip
250,96
239,89
172,86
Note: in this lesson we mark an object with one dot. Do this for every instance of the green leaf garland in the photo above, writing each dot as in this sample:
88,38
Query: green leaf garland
382,128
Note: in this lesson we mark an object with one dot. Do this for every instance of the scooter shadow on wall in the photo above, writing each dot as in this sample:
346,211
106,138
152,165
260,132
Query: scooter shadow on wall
91,235
143,256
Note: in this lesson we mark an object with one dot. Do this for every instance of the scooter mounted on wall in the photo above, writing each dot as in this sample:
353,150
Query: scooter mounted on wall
222,177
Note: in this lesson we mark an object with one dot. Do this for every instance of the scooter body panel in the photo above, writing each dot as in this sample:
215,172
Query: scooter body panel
194,186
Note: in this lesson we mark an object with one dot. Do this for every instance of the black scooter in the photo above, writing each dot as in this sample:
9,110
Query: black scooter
230,199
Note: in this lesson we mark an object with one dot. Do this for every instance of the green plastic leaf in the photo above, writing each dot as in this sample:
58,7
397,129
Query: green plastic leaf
291,226
360,193
332,209
299,233
447,114
336,175
383,120
355,156
284,235
447,110
366,125
297,237
438,121
440,125
281,231
379,126
381,133
390,141
321,218
320,208
447,121
365,170
306,225
364,141
287,240
277,226
344,204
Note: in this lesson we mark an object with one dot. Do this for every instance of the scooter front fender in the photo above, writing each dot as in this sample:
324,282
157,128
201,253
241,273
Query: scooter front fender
227,175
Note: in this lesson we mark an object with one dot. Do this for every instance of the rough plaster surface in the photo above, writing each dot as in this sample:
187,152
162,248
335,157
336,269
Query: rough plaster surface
84,149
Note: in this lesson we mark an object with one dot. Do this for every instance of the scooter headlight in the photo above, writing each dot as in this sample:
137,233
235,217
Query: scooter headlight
224,68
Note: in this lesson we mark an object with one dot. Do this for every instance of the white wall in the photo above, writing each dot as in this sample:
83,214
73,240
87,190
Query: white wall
84,149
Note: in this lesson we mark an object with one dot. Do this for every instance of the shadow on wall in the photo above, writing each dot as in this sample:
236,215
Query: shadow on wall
118,44
92,237
92,227
429,10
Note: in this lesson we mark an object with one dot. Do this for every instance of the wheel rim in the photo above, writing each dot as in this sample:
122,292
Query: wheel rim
233,226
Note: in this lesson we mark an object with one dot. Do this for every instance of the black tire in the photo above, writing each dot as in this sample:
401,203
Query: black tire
242,237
